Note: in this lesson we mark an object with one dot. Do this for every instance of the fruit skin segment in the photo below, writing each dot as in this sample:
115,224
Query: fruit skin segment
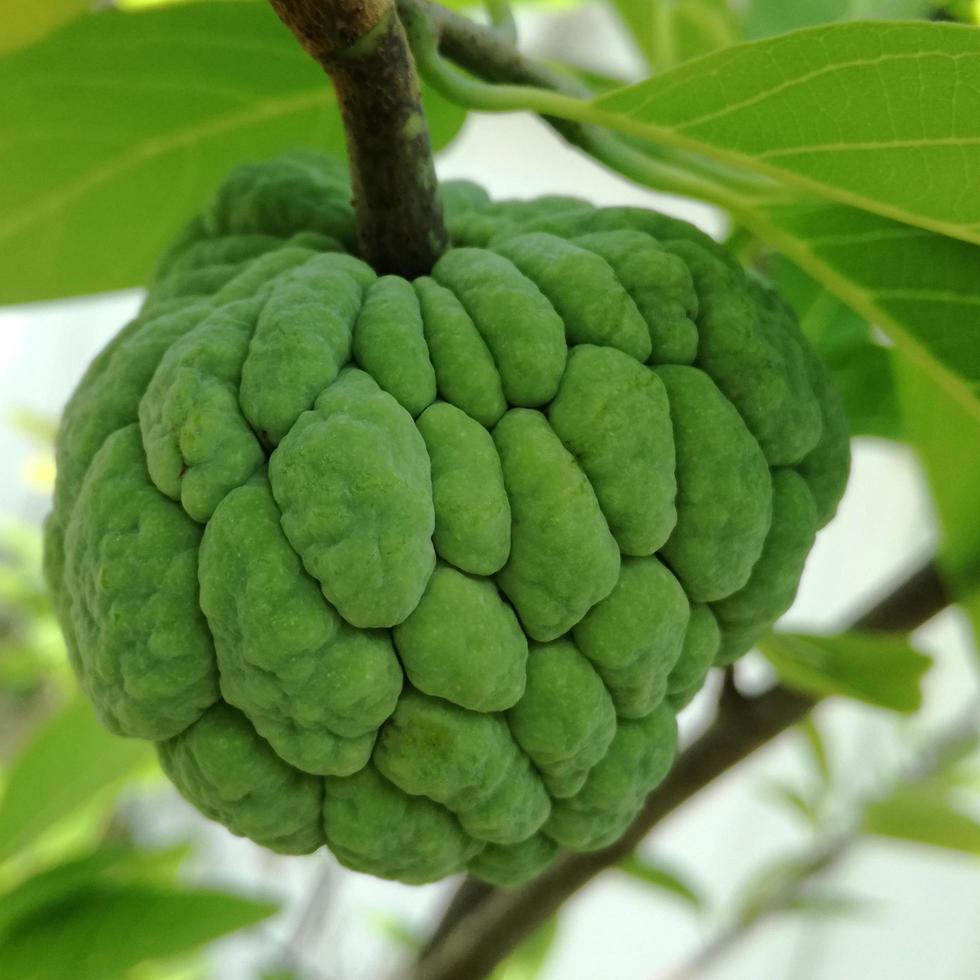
423,571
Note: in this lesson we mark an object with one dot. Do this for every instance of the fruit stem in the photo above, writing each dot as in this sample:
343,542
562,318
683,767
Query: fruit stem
362,46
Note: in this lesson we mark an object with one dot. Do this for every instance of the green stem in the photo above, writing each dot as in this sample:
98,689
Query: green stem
657,174
569,109
502,18
474,94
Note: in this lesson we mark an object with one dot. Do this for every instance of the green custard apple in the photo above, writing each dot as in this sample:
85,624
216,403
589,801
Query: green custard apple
423,571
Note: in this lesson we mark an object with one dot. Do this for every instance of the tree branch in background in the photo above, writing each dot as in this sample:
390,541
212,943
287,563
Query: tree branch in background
482,924
361,44
797,878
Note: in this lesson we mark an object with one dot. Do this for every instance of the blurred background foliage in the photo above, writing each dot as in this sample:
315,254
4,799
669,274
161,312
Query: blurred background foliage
80,896
83,892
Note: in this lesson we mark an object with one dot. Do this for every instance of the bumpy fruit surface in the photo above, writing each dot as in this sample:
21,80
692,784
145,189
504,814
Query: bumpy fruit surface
423,571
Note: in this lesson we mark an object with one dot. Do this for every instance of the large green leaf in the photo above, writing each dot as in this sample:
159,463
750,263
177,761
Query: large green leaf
112,863
883,116
863,369
118,127
53,885
879,668
946,437
106,929
67,762
921,289
923,818
25,23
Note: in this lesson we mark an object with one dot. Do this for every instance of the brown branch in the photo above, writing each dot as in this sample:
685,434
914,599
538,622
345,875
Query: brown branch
482,925
361,44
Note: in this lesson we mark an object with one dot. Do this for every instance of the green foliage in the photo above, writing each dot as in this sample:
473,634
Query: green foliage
783,885
528,961
24,25
817,750
114,864
799,802
811,800
664,879
70,760
763,18
136,117
669,32
921,816
879,668
66,912
106,927
920,288
927,800
31,648
863,369
946,436
726,106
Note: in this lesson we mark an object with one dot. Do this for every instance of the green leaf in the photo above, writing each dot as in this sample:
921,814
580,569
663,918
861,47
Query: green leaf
923,291
859,113
25,23
831,326
53,885
829,904
119,127
108,863
776,885
863,369
106,929
946,437
920,288
642,19
669,32
529,959
67,762
923,818
763,18
399,931
663,878
792,799
817,749
879,668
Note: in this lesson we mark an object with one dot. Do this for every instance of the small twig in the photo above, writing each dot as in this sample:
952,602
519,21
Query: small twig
314,908
829,851
823,857
361,44
484,931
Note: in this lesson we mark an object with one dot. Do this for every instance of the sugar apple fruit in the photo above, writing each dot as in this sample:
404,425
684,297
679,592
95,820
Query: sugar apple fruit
423,571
